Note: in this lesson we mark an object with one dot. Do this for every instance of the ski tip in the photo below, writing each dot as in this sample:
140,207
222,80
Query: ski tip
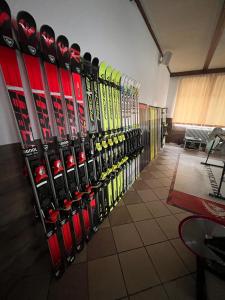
118,78
24,18
103,63
102,68
62,51
108,72
47,43
118,75
62,39
95,61
124,79
76,47
46,29
109,68
27,33
87,56
6,36
114,73
5,12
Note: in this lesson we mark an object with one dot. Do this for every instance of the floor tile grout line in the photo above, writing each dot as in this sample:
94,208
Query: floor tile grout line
162,228
88,290
170,213
156,271
136,190
170,241
119,259
148,254
49,284
147,289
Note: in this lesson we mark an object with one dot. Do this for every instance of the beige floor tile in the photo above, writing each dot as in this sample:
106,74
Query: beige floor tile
120,203
158,209
171,167
126,237
81,256
155,293
165,181
187,256
119,215
168,173
158,174
147,175
138,270
161,167
132,197
34,283
169,225
139,212
183,215
150,232
162,192
105,279
174,210
102,244
167,262
140,185
153,167
165,161
69,286
131,189
153,183
105,223
147,195
181,289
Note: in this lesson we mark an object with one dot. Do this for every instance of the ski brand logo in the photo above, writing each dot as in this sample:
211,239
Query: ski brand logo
51,58
8,40
30,151
67,66
64,143
45,147
31,49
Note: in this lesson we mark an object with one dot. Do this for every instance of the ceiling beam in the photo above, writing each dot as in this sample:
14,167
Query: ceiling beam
216,38
197,72
142,11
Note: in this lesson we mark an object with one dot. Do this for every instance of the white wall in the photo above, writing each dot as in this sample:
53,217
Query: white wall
171,97
113,30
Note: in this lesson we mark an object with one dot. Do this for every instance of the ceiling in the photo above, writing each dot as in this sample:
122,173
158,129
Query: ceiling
187,28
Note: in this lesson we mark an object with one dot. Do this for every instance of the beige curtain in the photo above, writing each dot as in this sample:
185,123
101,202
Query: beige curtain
201,100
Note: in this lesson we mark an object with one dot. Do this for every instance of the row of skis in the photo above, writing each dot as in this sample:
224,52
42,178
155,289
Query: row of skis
87,115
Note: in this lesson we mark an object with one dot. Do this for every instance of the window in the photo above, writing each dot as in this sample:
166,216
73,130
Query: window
201,100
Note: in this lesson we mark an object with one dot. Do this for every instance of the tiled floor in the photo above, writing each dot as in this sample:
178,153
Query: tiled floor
137,253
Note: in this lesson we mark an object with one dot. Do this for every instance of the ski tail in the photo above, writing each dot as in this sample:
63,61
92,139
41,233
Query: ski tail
56,257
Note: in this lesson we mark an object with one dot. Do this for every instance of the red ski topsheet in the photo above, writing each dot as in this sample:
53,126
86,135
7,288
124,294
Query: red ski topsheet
67,237
77,83
54,249
53,84
34,75
67,90
11,73
77,228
